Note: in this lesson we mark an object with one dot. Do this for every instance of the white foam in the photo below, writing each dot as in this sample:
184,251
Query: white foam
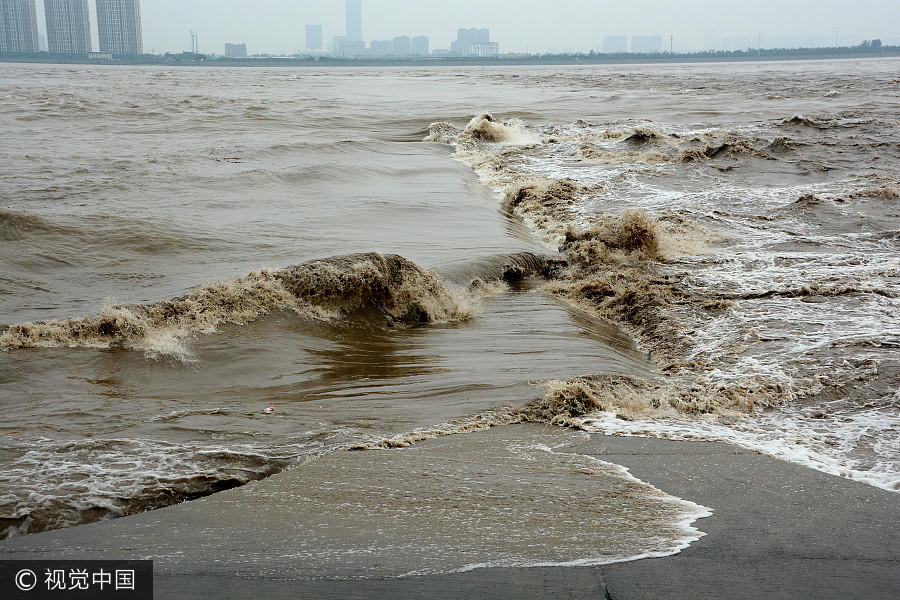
822,444
770,332
53,484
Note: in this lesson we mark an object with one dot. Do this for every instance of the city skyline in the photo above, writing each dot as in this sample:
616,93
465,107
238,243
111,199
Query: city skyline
279,28
65,26
276,27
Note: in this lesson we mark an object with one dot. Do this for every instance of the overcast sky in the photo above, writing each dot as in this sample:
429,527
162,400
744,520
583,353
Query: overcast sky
279,26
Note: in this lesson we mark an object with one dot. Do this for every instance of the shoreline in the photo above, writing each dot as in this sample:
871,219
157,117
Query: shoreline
554,60
778,530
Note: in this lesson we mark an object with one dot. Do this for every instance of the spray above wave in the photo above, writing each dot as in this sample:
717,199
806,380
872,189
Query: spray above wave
484,128
393,289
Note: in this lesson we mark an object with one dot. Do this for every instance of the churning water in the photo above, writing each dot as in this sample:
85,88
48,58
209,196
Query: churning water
211,275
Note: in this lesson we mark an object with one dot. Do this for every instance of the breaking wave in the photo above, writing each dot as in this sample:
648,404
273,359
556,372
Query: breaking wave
484,128
393,289
726,328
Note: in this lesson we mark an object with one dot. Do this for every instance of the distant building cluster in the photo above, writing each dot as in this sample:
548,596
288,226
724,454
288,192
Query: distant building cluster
650,44
615,44
235,50
646,44
69,26
643,44
712,43
474,42
119,32
401,45
469,42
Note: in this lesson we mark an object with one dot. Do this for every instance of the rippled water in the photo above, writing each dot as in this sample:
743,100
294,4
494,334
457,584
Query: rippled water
174,322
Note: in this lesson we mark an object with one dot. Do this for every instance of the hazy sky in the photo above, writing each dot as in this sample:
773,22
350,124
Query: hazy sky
279,26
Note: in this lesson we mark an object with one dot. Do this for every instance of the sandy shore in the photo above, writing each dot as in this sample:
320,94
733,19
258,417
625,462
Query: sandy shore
778,531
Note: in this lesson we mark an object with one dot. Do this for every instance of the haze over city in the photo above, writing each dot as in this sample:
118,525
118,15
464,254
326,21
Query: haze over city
278,26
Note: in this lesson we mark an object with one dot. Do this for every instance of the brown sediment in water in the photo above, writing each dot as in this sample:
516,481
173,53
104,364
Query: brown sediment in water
632,397
543,202
619,266
632,298
396,290
589,153
888,192
802,121
644,146
633,235
569,403
728,148
612,269
643,135
484,128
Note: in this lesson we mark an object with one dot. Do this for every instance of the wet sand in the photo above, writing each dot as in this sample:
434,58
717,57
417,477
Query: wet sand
777,531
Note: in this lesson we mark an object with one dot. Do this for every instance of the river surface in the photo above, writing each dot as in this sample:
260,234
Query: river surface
210,275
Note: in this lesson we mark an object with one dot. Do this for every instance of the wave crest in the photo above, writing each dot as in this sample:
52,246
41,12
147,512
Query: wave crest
390,287
484,128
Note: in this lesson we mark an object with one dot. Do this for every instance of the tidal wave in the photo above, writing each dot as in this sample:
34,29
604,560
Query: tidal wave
742,317
389,287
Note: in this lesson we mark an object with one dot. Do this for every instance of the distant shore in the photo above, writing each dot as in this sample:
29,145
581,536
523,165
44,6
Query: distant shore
190,59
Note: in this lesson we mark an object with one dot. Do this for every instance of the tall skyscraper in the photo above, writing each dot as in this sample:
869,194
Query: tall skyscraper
18,26
314,37
119,25
354,20
68,26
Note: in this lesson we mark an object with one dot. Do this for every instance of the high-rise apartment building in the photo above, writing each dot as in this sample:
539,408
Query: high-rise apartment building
381,47
68,26
646,44
465,38
314,37
420,45
402,45
235,50
485,49
615,44
119,25
354,20
18,26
